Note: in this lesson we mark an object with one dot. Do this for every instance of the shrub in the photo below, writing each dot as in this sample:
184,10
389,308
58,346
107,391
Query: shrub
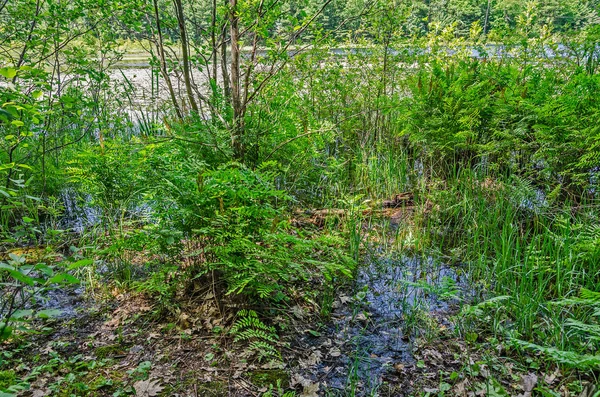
238,222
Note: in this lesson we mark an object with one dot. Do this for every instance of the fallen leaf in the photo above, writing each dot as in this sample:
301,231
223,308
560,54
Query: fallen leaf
273,364
461,389
528,382
313,359
361,317
335,352
311,390
345,299
588,391
298,312
551,378
147,388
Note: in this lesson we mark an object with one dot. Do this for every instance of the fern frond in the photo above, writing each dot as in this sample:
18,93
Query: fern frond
260,338
571,359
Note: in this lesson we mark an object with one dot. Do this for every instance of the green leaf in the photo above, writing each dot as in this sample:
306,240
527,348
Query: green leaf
17,123
63,279
7,166
22,277
5,115
16,258
8,73
5,333
49,313
47,270
21,314
37,94
27,219
80,263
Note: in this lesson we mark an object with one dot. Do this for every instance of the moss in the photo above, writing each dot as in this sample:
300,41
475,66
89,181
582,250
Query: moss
7,379
189,382
110,351
93,383
32,254
266,378
212,389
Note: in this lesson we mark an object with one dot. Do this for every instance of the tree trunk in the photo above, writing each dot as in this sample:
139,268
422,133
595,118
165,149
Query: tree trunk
213,39
163,62
185,55
237,134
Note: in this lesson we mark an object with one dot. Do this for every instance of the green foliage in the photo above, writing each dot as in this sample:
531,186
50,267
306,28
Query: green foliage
527,259
163,285
259,338
237,219
19,221
24,284
571,359
487,110
110,178
528,121
586,333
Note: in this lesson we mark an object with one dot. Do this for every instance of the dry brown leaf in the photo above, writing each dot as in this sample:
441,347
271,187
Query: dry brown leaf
335,352
588,391
41,393
345,299
551,378
460,389
434,356
360,317
313,359
147,388
528,382
298,312
311,390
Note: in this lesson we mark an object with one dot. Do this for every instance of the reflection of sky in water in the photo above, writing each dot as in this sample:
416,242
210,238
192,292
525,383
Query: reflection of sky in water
370,328
80,213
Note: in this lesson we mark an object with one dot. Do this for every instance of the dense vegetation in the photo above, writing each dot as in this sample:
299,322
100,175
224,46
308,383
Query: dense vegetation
235,166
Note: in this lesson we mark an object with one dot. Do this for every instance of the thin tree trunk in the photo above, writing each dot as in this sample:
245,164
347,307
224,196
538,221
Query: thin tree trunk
236,100
487,16
223,48
185,55
29,37
163,63
214,59
224,71
213,39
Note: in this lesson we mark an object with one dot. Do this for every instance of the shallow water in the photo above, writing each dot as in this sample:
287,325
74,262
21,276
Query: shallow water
370,331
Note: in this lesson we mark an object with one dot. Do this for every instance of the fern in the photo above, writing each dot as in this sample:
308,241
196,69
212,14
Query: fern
588,331
591,331
569,358
479,309
259,337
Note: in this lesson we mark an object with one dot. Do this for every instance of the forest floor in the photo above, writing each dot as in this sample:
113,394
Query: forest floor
393,331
